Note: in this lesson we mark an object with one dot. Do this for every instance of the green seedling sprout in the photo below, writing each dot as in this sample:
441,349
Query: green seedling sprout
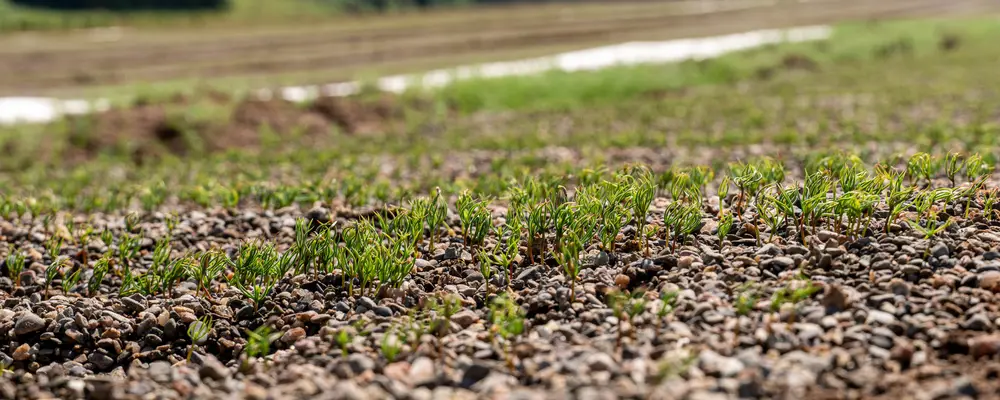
258,343
569,258
990,202
444,307
668,301
101,268
624,304
486,260
507,322
15,265
723,194
681,220
725,226
132,222
920,166
769,209
953,163
643,190
474,217
390,346
198,331
211,265
343,339
70,280
435,216
52,271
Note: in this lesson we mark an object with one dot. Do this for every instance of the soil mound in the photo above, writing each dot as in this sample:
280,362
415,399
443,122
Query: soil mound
148,129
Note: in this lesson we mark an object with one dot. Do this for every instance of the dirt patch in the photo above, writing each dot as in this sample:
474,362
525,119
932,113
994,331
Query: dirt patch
357,117
147,129
799,62
949,42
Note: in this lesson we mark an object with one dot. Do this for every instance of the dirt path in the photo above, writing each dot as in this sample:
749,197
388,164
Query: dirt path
39,66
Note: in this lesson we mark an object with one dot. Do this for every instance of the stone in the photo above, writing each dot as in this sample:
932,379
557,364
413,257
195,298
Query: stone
211,368
835,299
473,374
22,353
28,323
977,322
360,363
422,372
101,361
717,365
880,317
601,362
160,371
293,335
940,250
465,318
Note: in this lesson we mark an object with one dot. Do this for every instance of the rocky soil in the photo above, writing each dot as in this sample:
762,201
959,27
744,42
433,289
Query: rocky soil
881,316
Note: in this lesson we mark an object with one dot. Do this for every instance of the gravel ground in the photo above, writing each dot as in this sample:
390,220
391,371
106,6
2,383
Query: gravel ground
891,316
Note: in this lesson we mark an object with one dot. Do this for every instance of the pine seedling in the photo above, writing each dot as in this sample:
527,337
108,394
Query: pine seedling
681,220
486,260
390,346
259,343
990,202
569,257
643,191
668,301
953,163
976,168
920,166
132,222
435,216
54,246
725,226
198,331
70,280
474,217
624,304
746,300
15,265
562,217
343,339
506,250
175,271
507,321
52,271
723,194
101,268
444,307
211,265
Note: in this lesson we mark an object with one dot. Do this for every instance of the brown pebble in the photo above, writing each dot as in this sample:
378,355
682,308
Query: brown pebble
111,333
990,280
984,346
622,281
293,335
834,298
22,353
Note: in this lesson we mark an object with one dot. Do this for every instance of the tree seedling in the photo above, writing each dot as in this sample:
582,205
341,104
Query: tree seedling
15,266
198,331
507,322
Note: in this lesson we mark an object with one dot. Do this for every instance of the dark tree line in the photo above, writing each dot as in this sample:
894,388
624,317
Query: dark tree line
346,5
126,5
